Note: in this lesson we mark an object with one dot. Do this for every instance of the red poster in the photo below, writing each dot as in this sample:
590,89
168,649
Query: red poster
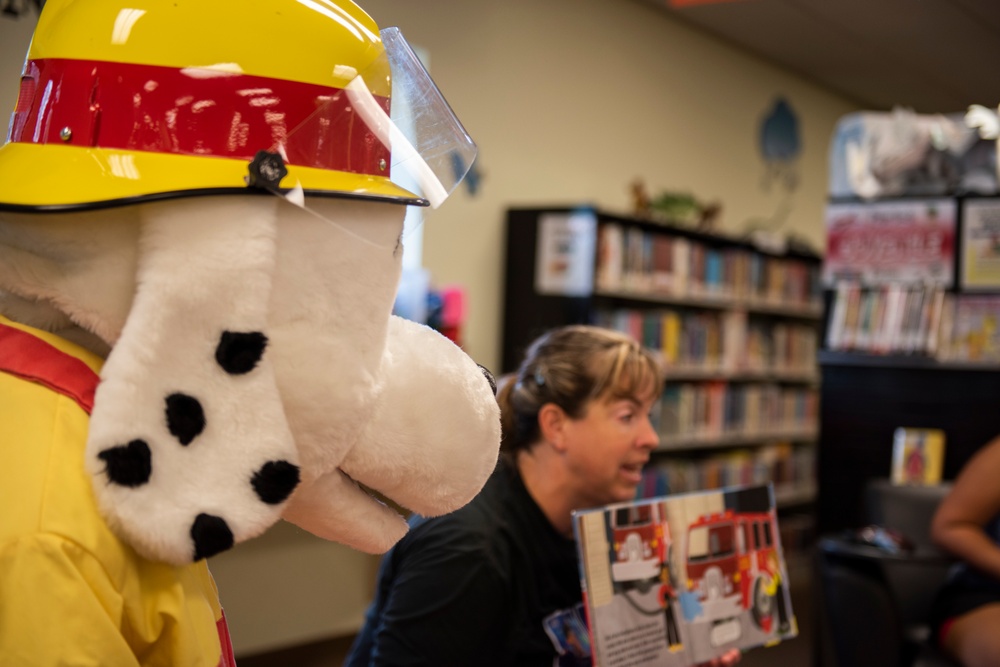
884,242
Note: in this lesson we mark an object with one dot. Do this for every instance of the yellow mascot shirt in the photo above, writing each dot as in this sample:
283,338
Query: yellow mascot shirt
71,593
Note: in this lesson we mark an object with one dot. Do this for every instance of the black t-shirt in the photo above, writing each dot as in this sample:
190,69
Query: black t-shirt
472,587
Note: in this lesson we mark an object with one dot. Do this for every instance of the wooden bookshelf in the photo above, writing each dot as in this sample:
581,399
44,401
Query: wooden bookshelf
737,327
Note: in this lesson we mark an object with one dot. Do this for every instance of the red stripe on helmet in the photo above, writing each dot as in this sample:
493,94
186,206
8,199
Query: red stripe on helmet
193,111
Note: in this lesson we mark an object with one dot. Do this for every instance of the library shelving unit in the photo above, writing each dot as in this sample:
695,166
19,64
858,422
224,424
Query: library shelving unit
737,327
907,343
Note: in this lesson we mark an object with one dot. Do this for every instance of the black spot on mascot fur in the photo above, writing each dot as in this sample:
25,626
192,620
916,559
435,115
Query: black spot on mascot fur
211,535
275,481
185,417
128,465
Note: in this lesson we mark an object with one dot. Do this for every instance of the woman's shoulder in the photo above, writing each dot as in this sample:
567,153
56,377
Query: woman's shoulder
482,523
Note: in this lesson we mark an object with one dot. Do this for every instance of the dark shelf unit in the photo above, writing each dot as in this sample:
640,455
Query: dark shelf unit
864,397
527,314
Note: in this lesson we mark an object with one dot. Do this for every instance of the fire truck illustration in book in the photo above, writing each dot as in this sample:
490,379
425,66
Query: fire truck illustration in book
729,571
734,555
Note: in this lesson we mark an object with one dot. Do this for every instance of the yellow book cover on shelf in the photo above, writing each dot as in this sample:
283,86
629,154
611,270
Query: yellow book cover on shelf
671,335
917,456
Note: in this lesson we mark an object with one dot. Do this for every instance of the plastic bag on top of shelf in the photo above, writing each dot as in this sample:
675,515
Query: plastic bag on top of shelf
902,153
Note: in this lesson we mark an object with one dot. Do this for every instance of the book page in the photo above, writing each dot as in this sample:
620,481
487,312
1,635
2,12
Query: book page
595,558
677,580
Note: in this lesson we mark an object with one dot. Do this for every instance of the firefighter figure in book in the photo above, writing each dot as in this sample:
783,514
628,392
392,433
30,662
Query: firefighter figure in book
201,224
667,597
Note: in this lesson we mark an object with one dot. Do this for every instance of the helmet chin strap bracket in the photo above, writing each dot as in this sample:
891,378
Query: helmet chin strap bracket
266,171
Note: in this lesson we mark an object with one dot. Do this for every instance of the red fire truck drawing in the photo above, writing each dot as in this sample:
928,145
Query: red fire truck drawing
732,554
641,546
640,542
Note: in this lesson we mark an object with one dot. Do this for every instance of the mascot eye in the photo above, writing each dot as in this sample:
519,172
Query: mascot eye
489,378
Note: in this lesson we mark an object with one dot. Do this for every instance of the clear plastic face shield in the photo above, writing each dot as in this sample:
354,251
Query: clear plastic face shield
388,133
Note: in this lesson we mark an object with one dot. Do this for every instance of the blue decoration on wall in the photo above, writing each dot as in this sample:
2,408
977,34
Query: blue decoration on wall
472,179
779,134
780,144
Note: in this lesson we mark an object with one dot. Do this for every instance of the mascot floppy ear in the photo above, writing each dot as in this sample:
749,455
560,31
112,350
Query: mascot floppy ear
373,401
188,445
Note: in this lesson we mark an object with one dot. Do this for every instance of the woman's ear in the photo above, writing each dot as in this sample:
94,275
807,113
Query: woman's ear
552,422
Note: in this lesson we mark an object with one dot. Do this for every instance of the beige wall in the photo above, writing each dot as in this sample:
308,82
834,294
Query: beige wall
14,39
569,101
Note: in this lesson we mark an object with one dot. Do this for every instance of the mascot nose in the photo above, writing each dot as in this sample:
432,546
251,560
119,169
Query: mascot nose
489,378
211,535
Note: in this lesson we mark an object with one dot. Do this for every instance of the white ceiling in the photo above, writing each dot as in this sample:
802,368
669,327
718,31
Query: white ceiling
929,55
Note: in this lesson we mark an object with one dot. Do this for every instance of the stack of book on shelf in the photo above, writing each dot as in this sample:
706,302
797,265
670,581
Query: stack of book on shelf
692,411
973,329
888,319
920,320
700,341
687,339
635,260
790,469
779,347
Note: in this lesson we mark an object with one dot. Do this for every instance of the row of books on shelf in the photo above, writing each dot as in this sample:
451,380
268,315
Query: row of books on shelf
914,319
690,411
718,341
792,470
633,259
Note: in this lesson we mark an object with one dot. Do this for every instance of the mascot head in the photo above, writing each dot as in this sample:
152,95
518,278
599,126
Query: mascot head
212,194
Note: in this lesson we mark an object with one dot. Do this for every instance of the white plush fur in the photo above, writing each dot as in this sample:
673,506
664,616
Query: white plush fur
334,290
413,448
343,389
205,267
77,266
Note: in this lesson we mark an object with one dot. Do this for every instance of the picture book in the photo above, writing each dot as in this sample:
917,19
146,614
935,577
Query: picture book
678,580
975,329
917,456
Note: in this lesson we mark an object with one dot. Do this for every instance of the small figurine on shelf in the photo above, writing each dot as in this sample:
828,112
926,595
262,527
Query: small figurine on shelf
640,199
675,207
709,216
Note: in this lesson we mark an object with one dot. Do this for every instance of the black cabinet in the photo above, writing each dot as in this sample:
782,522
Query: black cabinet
863,399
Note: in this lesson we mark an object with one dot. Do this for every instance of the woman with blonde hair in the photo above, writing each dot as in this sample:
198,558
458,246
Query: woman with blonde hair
474,587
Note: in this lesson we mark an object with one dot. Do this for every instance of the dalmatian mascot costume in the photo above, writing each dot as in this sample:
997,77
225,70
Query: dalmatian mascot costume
202,207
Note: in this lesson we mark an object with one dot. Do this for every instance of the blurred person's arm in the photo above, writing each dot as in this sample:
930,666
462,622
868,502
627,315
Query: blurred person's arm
958,524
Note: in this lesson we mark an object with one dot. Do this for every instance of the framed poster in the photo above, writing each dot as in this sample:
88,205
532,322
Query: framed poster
980,264
909,241
564,265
